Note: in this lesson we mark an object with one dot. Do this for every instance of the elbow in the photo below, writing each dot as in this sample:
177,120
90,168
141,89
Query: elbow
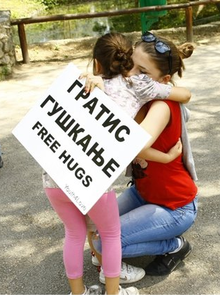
188,97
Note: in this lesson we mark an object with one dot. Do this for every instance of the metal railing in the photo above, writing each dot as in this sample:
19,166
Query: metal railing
187,6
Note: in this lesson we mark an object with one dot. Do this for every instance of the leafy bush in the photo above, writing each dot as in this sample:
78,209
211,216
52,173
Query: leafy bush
126,23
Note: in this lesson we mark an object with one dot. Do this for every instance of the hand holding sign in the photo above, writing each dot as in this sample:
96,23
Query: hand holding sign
92,81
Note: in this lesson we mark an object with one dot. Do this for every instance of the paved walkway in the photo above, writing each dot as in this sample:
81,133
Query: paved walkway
31,236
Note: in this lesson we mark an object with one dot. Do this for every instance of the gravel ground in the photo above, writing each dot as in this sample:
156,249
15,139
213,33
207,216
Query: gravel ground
31,236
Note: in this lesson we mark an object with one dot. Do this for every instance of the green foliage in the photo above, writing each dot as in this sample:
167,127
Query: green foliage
207,11
173,19
4,72
170,20
49,4
119,24
100,28
21,8
126,23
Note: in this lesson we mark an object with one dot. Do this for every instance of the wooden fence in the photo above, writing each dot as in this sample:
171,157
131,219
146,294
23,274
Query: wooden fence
187,6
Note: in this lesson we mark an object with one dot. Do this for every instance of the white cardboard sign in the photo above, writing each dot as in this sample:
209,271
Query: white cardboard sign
83,141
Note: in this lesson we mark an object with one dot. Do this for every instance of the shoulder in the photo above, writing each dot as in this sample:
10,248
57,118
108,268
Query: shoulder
166,110
156,104
158,110
141,78
172,105
115,80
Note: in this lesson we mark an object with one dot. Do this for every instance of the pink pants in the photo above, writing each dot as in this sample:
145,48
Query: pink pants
105,216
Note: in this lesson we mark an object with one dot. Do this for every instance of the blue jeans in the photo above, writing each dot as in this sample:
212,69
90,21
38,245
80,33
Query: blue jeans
148,229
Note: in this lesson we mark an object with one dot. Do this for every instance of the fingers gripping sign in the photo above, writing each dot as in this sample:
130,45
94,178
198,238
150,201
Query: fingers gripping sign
92,82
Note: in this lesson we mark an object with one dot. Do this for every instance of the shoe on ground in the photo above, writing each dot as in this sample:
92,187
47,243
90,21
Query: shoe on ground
92,290
165,264
129,274
128,291
95,260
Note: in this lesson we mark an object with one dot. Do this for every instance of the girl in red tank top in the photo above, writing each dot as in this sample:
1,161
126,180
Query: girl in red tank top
170,184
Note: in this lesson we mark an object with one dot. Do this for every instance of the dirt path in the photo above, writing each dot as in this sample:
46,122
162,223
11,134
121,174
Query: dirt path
31,236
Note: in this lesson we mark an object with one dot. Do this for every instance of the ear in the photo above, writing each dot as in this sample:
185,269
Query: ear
166,79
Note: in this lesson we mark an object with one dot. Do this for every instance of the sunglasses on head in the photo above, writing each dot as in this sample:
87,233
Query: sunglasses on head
160,46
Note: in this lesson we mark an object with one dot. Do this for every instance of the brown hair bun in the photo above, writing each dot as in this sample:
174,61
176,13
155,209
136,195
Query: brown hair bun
186,50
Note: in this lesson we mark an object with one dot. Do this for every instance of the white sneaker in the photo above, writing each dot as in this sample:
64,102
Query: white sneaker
129,274
128,291
95,261
92,290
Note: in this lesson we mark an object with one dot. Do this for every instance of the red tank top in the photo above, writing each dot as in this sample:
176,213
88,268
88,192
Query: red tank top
169,185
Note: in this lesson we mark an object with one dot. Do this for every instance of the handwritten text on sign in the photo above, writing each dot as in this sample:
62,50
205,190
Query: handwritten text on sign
83,140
